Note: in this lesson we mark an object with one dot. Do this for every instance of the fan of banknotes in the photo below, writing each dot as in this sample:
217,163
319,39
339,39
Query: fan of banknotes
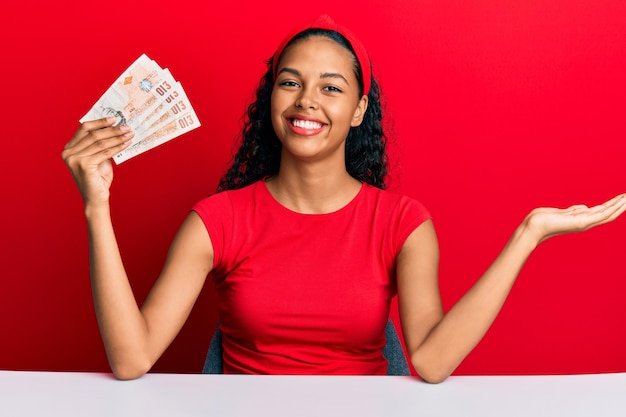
147,98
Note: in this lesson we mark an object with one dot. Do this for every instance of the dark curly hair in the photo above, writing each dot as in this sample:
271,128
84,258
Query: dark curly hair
259,153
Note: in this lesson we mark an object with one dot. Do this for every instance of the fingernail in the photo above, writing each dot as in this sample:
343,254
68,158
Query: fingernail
124,128
129,134
111,119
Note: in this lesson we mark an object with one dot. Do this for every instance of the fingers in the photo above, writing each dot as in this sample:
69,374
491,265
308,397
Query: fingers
548,222
613,204
617,200
608,211
587,218
97,138
87,127
577,207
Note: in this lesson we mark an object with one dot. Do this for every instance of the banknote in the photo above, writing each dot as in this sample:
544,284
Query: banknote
135,94
151,101
166,132
175,104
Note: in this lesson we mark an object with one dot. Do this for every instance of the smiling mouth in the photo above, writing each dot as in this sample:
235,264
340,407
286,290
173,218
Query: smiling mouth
305,124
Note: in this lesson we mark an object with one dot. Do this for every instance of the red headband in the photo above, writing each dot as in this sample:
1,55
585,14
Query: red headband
325,22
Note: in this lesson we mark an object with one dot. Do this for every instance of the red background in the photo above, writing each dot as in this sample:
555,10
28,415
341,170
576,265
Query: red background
499,107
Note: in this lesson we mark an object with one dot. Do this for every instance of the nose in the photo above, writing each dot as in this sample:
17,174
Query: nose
307,99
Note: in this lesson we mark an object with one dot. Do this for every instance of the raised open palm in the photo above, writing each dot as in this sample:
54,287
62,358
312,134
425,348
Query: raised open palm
549,222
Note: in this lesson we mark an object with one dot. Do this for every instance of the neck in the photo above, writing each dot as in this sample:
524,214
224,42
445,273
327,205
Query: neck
313,188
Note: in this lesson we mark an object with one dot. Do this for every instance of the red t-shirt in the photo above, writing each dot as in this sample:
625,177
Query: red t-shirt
306,293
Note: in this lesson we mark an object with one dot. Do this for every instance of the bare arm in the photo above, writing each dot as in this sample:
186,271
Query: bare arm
134,338
437,343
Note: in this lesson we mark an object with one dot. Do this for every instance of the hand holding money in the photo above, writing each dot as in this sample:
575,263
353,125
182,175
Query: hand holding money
88,157
151,102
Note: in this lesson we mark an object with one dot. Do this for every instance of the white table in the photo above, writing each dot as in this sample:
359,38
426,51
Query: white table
92,394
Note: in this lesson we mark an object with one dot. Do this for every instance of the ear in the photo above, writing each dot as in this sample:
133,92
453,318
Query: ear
359,113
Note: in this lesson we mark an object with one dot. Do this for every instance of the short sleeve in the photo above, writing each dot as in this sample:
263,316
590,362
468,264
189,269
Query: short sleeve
216,214
411,214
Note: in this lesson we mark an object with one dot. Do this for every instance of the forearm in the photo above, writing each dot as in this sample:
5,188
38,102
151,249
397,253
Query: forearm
122,326
460,330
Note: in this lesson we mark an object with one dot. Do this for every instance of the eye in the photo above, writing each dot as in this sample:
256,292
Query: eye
332,89
289,83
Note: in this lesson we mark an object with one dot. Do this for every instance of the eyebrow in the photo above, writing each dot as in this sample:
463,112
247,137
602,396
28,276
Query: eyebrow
322,75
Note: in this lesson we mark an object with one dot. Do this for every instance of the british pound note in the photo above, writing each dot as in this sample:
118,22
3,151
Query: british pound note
133,95
172,129
175,104
147,98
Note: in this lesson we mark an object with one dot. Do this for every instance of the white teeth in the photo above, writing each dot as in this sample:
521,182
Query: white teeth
306,124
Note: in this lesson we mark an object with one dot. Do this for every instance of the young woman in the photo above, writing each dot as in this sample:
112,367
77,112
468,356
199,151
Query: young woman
304,245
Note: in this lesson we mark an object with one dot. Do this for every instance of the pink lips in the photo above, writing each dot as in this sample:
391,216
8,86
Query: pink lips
304,126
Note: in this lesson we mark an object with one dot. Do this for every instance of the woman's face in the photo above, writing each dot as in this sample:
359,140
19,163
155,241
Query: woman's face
315,99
